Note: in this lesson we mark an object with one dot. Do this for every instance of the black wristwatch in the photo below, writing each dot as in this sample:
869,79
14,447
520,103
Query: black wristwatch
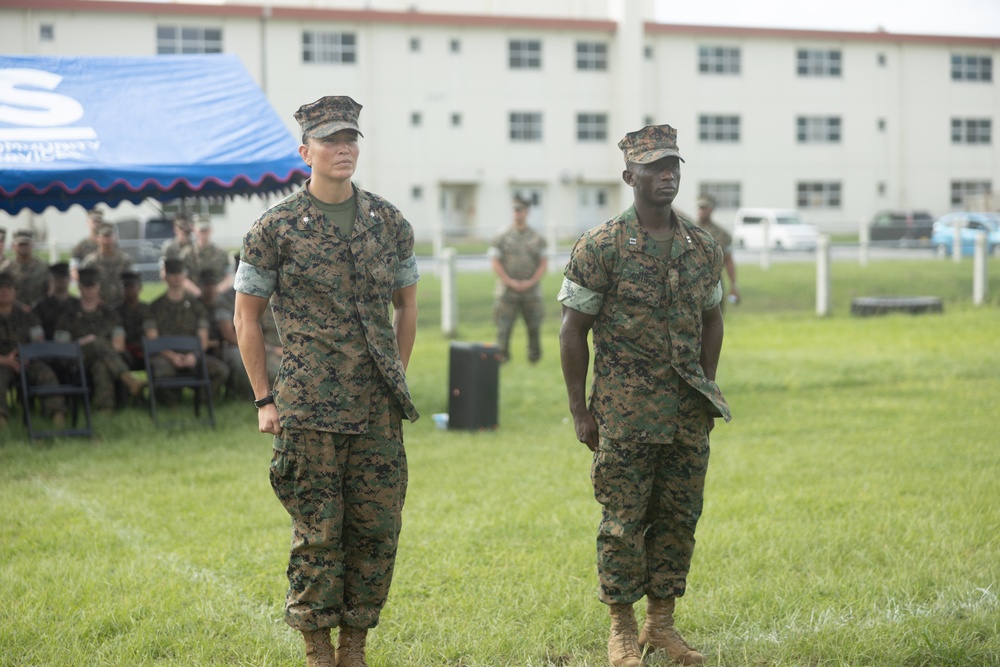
261,402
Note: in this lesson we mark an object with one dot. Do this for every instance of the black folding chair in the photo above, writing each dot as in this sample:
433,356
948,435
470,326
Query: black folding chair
196,379
73,385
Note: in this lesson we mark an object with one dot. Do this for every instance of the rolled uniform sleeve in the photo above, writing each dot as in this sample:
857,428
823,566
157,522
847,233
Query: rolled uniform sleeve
407,274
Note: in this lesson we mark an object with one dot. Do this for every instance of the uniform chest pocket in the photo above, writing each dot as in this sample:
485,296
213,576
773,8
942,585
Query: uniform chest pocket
638,296
381,267
312,273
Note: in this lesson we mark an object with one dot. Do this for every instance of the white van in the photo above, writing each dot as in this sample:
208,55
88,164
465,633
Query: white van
782,229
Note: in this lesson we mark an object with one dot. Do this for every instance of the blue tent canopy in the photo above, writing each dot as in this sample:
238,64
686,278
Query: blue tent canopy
89,130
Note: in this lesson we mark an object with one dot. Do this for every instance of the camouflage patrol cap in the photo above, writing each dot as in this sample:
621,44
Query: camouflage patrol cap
87,276
328,115
105,229
95,214
651,143
173,266
23,236
59,270
202,222
131,278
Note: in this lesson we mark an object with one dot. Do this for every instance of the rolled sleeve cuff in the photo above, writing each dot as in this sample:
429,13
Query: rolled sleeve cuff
579,297
716,297
407,274
255,282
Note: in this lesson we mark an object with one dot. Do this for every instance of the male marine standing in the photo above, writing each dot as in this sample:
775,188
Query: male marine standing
334,257
648,284
706,205
518,259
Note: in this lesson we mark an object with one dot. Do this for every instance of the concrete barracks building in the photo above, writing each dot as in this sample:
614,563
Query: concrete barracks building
468,102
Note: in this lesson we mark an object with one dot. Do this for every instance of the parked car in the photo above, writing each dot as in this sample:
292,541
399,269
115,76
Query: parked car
141,239
943,235
907,227
784,229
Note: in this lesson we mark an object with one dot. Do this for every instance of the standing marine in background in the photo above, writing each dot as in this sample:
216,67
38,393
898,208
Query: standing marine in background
647,283
706,205
518,258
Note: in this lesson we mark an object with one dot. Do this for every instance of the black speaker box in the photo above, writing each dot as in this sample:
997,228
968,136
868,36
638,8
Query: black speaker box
473,386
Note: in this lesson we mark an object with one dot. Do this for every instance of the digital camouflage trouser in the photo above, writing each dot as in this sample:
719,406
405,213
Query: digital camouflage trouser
651,495
40,374
104,365
507,308
345,496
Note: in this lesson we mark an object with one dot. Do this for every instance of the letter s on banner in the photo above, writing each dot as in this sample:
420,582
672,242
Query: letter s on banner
35,108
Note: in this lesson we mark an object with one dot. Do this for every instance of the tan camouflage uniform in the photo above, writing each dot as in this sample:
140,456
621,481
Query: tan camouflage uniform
650,397
16,327
197,259
185,318
339,467
82,249
519,252
103,363
109,271
30,279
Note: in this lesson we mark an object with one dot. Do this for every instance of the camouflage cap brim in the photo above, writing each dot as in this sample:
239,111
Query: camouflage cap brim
332,128
653,156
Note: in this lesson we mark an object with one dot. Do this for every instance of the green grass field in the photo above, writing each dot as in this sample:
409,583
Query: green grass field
851,512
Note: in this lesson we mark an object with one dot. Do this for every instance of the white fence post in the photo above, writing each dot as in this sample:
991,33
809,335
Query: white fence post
765,251
449,293
956,240
823,275
980,271
864,238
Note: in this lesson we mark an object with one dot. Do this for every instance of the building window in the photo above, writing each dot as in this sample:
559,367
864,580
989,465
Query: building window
648,120
415,44
525,54
971,130
329,47
818,195
592,126
648,52
881,60
881,188
881,124
525,126
718,60
817,62
416,193
719,129
416,119
177,39
971,68
455,45
727,194
591,55
46,32
962,189
456,120
818,130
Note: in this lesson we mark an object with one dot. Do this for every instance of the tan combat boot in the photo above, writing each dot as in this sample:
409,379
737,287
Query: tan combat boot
319,650
351,647
658,632
623,645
